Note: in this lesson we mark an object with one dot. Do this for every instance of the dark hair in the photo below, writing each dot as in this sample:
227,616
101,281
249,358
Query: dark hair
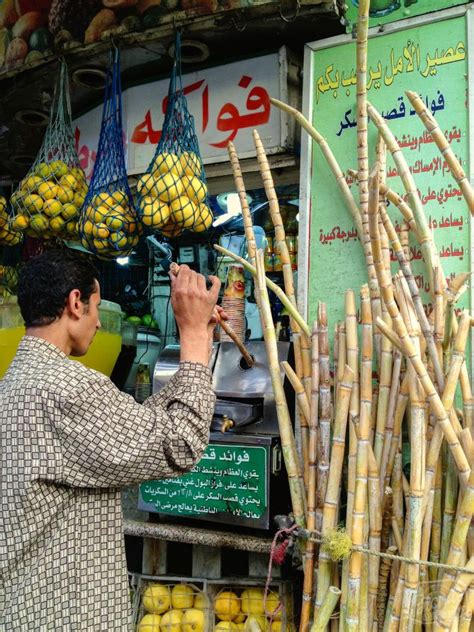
46,281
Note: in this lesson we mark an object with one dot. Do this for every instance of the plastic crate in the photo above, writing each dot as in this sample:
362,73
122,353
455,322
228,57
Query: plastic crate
174,593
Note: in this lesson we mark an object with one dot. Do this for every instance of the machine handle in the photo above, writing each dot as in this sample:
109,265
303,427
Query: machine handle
174,268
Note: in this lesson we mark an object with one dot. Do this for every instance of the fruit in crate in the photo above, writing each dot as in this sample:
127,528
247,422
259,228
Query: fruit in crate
171,621
252,601
201,601
149,623
156,598
226,626
173,196
256,622
182,596
194,620
226,605
272,606
108,225
49,199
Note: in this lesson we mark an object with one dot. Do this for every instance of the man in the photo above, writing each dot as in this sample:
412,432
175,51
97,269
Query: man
70,440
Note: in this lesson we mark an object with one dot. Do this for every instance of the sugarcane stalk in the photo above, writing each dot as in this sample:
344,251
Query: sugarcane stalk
397,200
352,355
333,489
385,379
327,608
444,147
400,408
439,317
382,593
465,616
310,549
303,407
458,539
391,409
375,536
283,415
330,159
244,205
467,444
445,615
420,312
325,414
276,289
435,542
428,247
451,489
387,506
405,239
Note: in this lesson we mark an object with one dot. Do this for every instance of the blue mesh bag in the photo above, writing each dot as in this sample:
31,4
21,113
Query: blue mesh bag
108,225
49,198
172,194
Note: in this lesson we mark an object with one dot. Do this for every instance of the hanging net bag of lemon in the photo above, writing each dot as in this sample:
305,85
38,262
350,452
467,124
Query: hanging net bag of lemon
8,236
172,194
108,224
48,200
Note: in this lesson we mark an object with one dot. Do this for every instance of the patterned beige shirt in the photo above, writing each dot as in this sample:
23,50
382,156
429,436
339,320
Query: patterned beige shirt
69,441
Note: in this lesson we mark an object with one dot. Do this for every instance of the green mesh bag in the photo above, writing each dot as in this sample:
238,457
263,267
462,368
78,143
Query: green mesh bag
108,224
172,194
49,198
8,236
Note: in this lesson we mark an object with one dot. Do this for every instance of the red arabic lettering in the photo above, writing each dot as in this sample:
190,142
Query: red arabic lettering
144,132
85,155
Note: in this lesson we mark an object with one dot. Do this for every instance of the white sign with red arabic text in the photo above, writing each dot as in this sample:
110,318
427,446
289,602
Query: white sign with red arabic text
228,102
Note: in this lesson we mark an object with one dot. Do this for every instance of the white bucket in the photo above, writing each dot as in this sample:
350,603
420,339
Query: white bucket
148,350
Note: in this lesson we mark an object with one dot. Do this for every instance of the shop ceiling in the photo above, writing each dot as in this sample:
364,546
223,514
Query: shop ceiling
26,92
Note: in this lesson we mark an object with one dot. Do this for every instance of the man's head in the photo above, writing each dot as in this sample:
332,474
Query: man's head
59,295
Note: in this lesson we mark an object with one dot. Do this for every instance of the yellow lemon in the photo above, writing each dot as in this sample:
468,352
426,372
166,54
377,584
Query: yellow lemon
276,626
85,243
120,198
183,212
20,222
240,626
39,223
69,182
69,211
59,168
133,240
32,183
190,163
43,170
64,195
195,189
114,221
3,204
48,190
154,213
89,213
166,162
72,227
33,203
252,601
182,596
88,227
193,620
271,605
156,597
226,605
101,231
167,187
78,200
226,626
100,244
78,174
103,199
171,621
240,618
57,224
119,240
100,213
204,219
145,184
149,623
258,619
51,208
201,601
171,230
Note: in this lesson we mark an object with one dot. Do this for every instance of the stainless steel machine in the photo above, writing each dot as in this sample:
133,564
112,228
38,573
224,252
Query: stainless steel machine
240,479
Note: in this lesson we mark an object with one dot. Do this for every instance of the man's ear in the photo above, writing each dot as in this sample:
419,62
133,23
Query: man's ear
74,304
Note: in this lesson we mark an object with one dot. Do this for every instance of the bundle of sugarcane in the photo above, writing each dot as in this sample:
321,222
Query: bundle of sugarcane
389,458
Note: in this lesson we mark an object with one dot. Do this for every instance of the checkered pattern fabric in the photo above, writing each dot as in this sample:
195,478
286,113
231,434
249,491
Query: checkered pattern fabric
69,441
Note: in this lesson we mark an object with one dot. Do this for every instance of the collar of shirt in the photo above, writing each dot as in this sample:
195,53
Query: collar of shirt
39,345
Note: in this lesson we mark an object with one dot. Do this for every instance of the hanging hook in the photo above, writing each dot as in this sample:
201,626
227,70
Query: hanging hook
292,19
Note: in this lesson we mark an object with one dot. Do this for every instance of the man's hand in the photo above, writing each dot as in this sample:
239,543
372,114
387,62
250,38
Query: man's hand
195,311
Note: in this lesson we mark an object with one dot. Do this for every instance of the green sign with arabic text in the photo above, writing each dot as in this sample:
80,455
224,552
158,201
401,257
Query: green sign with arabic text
430,59
384,11
229,479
